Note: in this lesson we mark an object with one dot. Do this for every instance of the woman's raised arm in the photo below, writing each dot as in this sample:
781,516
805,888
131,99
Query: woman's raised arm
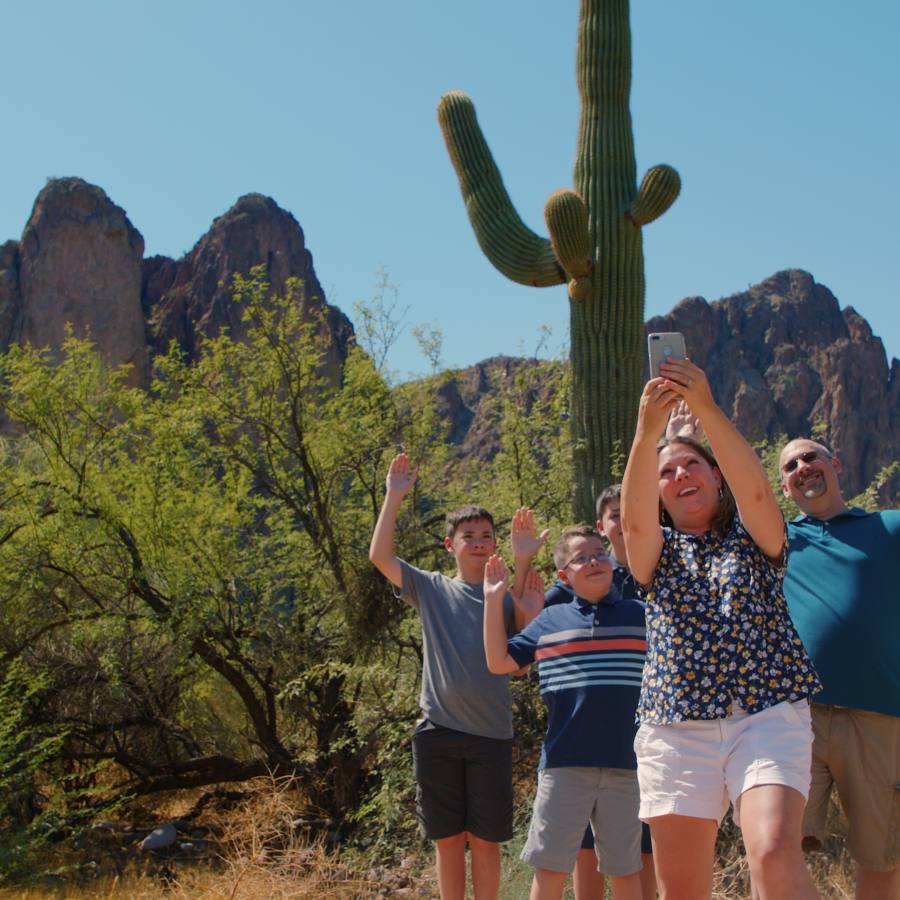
640,486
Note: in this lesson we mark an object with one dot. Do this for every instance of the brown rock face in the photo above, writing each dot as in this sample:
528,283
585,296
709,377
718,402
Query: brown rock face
79,263
192,298
10,298
783,359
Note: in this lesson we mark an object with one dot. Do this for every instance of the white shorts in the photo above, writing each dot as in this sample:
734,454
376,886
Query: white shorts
694,768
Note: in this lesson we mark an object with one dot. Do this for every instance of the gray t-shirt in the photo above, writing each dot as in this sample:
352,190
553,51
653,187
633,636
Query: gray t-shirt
458,691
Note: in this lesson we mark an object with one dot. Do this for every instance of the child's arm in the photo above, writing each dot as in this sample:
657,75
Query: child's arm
498,659
381,550
640,491
525,546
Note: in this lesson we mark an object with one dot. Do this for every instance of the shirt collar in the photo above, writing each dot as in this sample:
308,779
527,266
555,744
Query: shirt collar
853,511
611,599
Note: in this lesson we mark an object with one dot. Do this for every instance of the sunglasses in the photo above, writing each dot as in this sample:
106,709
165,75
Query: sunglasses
584,558
808,456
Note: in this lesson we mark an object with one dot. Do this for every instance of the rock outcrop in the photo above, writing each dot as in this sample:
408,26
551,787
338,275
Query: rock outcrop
192,298
10,297
783,358
78,264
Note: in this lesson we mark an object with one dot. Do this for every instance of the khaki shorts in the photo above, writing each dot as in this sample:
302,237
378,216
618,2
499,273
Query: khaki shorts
566,798
695,768
858,752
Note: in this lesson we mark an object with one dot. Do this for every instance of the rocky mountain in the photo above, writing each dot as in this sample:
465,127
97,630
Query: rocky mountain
192,297
81,261
782,357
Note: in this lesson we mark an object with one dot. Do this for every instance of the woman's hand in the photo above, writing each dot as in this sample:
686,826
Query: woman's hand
689,382
658,399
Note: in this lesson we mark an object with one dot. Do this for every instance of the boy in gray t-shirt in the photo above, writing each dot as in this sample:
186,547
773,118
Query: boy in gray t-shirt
462,748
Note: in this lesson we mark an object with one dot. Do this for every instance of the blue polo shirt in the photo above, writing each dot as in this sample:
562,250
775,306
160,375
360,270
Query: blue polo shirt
590,659
843,592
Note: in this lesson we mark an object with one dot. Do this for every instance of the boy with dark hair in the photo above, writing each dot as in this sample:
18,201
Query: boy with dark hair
462,747
590,655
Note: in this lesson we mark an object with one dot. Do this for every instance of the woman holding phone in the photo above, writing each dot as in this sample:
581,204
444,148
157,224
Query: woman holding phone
724,701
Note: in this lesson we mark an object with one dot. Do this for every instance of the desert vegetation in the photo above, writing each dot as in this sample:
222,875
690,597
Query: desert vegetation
190,630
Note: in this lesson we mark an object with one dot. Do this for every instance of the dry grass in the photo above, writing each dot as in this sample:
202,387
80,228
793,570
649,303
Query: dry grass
264,853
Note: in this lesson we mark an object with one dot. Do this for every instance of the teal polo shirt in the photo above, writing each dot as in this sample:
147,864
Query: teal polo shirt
843,592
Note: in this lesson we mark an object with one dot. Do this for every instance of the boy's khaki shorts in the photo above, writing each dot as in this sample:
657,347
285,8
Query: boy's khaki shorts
566,798
858,752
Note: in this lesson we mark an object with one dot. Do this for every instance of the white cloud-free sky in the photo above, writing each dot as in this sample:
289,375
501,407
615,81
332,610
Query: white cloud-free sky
780,116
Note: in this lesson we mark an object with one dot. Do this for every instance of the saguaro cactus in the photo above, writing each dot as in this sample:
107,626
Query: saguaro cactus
595,238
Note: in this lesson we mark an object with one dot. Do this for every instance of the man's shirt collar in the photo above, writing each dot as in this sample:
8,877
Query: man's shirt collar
854,511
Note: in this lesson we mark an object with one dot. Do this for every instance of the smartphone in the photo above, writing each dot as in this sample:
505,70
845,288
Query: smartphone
662,346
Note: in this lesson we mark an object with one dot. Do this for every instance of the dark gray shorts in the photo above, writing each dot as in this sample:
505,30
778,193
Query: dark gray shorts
463,783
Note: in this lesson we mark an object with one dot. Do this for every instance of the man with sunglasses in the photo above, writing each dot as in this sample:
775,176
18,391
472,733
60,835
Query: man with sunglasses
843,591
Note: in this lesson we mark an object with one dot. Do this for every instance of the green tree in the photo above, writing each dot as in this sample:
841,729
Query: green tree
185,570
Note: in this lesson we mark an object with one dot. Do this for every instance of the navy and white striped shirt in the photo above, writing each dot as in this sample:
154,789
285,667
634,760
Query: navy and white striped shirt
590,659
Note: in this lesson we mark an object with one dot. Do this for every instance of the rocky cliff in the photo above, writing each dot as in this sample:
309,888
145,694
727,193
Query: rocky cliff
782,358
192,297
77,264
80,262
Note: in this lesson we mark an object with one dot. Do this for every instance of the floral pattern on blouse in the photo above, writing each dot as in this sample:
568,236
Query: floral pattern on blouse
718,631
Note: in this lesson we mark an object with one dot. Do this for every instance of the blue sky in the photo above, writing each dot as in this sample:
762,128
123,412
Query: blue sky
780,116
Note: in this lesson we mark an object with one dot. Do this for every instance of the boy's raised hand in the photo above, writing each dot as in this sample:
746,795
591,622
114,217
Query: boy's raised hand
399,477
495,579
534,587
683,423
523,536
531,602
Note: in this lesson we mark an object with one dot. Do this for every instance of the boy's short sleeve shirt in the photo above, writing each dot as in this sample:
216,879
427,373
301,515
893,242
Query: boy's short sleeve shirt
590,658
458,691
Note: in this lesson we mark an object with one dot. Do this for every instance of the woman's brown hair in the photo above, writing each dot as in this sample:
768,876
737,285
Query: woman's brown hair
724,517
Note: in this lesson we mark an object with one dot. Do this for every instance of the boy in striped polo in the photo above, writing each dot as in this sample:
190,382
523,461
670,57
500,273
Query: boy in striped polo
590,656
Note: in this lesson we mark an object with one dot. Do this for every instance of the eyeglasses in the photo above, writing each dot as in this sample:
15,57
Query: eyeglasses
584,558
808,456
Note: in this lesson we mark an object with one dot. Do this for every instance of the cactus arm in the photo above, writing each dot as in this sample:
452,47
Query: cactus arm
658,191
512,247
570,236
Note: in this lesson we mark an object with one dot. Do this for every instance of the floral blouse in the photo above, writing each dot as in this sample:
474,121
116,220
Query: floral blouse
718,631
